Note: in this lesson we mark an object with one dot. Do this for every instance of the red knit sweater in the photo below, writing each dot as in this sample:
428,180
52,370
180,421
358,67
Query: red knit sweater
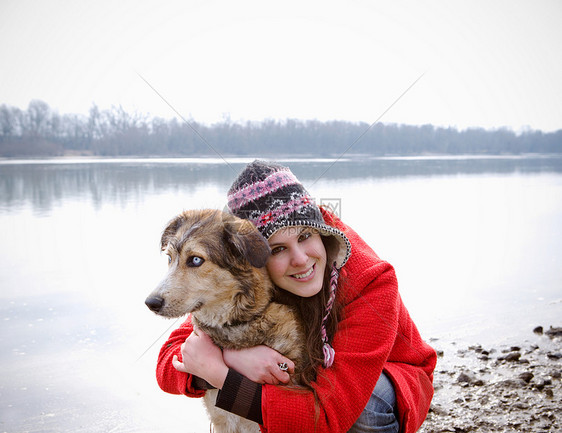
375,334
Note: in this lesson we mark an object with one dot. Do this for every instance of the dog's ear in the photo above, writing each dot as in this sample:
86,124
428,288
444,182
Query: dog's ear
247,240
171,230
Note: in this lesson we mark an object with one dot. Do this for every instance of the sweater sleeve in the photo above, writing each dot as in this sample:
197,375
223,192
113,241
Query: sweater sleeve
241,396
169,379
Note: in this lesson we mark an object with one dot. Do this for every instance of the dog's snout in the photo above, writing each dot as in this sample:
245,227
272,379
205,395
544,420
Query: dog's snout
155,303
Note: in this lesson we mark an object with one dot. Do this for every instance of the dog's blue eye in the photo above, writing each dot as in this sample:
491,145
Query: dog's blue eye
195,261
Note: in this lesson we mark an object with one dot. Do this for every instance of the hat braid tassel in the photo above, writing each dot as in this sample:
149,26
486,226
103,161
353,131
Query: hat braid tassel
329,352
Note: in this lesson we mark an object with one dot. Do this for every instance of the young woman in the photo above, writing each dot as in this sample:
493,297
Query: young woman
368,368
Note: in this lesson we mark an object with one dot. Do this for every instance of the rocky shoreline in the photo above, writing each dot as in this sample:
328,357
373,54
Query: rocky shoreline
498,389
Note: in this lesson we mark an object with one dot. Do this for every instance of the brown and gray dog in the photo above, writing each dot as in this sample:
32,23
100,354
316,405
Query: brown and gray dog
217,274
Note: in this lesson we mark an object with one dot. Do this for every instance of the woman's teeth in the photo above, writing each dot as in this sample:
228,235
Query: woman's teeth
306,274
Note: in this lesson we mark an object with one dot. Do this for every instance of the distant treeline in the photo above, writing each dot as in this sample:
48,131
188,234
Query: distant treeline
42,131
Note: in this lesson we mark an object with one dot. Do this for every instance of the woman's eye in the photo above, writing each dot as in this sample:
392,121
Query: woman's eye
195,261
277,250
304,236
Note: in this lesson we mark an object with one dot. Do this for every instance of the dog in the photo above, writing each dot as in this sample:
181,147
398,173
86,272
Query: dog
217,274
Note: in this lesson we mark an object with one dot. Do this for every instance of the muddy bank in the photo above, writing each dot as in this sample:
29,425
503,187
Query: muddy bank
498,389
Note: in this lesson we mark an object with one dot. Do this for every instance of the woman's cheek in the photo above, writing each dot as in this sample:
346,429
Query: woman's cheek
275,269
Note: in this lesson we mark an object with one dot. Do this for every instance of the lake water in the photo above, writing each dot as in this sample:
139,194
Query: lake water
476,243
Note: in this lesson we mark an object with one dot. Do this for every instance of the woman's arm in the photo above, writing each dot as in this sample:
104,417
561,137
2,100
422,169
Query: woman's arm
169,379
202,358
180,372
241,393
259,364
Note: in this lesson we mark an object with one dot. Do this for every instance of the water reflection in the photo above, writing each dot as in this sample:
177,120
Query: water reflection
43,184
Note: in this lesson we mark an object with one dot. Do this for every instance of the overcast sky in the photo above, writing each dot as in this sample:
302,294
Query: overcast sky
484,63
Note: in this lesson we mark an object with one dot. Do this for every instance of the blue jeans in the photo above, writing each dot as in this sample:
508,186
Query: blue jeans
379,414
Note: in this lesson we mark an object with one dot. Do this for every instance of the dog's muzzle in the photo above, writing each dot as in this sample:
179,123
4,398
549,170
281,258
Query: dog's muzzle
155,303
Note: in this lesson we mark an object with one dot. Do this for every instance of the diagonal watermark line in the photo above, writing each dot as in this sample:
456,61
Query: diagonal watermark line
156,340
186,122
369,128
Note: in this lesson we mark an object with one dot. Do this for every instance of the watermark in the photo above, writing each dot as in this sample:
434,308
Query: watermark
332,204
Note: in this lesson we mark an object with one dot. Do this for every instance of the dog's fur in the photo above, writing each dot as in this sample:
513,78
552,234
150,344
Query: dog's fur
229,295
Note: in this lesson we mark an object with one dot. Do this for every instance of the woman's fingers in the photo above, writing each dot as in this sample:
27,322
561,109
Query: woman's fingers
178,365
280,377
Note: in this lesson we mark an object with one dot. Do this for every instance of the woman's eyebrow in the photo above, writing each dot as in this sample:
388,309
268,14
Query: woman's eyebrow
271,245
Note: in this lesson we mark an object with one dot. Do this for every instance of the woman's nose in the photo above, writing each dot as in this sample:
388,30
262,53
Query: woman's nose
298,257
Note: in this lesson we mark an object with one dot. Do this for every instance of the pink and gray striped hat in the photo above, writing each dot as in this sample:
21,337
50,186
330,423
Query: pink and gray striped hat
271,197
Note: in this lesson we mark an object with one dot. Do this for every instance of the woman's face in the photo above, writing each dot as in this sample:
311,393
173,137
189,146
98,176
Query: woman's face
298,260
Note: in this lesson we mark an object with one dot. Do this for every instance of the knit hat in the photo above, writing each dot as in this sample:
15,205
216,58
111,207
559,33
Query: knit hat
272,198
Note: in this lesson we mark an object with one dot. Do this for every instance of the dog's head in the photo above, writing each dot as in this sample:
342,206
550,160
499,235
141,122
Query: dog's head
213,259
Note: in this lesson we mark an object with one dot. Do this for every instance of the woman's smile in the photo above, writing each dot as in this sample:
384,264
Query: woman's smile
305,276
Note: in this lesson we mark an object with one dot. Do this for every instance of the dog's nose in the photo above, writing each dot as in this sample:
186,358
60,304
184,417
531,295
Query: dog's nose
155,303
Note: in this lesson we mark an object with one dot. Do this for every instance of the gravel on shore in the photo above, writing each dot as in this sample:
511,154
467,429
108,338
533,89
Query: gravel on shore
499,389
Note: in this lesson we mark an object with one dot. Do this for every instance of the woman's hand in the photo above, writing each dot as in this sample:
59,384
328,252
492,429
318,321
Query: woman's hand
259,364
202,358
